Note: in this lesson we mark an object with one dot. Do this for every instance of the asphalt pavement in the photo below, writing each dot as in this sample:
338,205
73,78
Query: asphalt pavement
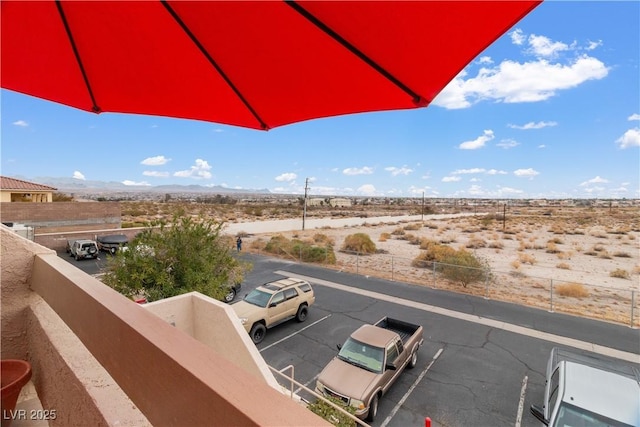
482,363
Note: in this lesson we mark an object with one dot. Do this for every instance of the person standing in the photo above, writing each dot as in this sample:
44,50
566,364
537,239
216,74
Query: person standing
239,244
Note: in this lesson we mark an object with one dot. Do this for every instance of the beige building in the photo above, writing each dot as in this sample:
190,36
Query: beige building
17,190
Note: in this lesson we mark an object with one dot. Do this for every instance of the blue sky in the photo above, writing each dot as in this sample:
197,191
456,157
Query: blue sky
550,110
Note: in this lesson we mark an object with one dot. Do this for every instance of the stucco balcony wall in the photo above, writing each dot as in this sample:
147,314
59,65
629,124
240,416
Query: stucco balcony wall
62,320
216,325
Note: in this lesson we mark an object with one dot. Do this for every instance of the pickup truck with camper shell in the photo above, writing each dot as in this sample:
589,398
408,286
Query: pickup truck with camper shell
589,391
273,303
81,249
369,362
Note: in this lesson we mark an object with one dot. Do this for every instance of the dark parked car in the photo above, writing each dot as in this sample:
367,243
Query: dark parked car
112,243
233,291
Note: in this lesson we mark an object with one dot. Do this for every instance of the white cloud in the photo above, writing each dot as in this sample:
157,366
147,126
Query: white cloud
21,123
517,37
596,180
544,46
78,175
514,82
156,174
467,171
398,171
496,172
155,161
509,191
358,171
451,179
631,138
479,142
485,60
533,125
198,171
526,173
367,190
142,183
507,143
634,116
542,146
286,177
593,45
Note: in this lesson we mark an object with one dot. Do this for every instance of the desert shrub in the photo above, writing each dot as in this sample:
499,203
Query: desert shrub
427,243
604,255
384,237
456,265
565,255
556,240
496,244
134,224
278,245
598,248
527,259
591,253
563,266
476,243
636,269
308,252
412,227
323,239
257,244
575,290
622,254
413,239
552,248
464,267
619,273
331,414
359,242
446,239
431,226
398,232
515,264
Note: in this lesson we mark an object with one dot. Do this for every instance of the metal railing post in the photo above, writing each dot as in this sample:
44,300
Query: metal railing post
551,298
391,267
633,303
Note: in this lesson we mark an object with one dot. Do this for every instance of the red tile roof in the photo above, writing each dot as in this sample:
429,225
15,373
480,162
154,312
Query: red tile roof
7,183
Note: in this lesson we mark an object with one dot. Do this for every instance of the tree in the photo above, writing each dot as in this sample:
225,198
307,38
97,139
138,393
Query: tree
168,259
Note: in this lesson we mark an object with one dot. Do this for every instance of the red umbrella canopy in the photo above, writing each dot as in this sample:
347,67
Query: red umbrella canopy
253,64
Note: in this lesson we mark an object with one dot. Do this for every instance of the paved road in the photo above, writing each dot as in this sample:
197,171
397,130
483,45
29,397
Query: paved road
489,368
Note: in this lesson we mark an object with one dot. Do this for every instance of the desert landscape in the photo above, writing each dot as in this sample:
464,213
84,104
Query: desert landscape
582,261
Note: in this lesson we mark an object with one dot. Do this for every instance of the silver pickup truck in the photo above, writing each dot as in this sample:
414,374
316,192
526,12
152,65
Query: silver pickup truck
583,390
369,362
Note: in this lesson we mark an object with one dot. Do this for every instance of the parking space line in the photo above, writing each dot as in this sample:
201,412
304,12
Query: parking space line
521,402
516,329
295,333
413,386
296,391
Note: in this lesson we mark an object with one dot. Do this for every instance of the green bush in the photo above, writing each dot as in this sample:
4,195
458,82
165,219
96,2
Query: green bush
456,265
359,242
301,250
331,414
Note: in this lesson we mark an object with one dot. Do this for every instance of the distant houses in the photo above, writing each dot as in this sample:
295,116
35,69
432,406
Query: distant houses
336,202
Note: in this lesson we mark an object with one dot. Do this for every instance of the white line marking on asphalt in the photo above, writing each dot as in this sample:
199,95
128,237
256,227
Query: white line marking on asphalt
521,402
516,329
296,391
413,386
295,333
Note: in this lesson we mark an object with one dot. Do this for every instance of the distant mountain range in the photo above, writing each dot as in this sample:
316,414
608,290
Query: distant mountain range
77,185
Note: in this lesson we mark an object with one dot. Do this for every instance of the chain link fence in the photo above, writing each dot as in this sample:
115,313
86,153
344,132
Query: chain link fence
582,299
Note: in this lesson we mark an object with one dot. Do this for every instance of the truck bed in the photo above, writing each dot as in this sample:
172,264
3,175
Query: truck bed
404,329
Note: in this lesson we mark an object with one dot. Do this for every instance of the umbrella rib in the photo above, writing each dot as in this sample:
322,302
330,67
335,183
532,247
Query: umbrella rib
417,99
95,108
215,65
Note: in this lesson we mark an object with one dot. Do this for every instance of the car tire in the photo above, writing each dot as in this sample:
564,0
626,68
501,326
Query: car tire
77,257
230,296
373,408
413,361
302,313
258,331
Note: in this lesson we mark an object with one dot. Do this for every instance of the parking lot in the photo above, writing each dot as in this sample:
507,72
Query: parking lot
479,365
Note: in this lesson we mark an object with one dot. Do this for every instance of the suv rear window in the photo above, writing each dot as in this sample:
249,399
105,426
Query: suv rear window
290,293
305,287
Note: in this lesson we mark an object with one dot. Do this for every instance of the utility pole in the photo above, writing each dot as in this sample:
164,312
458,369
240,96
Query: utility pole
304,203
423,206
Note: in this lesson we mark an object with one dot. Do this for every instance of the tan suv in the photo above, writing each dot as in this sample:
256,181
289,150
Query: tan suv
273,303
